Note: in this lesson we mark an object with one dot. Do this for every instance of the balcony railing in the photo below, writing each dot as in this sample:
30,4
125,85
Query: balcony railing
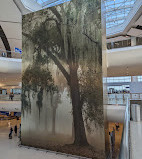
17,97
124,43
13,54
121,99
125,141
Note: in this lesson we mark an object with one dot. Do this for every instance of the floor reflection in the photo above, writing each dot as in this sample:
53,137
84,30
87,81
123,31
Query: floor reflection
118,136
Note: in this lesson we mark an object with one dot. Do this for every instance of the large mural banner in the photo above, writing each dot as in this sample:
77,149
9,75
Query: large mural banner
62,90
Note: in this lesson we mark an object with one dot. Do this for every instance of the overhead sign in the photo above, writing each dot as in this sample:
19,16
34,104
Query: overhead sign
17,50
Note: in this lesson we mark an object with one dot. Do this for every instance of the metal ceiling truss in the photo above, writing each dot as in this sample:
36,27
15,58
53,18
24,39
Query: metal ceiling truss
117,11
50,3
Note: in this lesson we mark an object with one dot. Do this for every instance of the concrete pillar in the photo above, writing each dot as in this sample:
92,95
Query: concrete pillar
138,115
133,41
135,110
112,45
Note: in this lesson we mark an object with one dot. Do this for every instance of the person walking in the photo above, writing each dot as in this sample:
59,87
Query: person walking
117,126
15,130
11,95
20,133
10,134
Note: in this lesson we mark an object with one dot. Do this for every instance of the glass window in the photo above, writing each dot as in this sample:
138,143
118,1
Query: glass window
118,79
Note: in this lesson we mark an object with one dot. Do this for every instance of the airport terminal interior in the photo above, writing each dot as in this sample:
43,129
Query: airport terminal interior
71,79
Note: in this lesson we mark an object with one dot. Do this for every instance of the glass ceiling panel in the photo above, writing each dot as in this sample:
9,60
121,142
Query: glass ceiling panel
49,3
117,11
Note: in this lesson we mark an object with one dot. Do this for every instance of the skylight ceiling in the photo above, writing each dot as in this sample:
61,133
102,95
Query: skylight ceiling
117,11
49,3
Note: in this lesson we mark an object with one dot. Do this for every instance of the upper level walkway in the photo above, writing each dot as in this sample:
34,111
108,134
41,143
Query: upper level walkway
10,106
120,62
113,113
124,61
17,97
10,65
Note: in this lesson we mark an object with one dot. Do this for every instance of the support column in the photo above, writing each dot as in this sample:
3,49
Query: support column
133,41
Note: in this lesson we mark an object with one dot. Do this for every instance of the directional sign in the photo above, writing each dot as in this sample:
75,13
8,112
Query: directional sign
17,50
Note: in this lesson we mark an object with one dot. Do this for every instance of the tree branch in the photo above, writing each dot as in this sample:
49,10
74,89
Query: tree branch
27,35
92,40
60,66
55,12
54,58
58,25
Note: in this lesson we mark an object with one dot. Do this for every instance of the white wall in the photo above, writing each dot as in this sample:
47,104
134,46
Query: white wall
10,13
10,65
136,87
125,61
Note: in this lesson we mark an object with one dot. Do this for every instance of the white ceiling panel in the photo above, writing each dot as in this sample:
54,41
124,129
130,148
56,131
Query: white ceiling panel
139,21
135,32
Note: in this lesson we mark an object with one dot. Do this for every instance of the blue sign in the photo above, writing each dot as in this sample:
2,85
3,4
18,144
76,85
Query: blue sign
4,113
17,50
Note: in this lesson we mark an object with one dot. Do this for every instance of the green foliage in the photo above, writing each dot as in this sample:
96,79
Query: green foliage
35,77
92,95
47,35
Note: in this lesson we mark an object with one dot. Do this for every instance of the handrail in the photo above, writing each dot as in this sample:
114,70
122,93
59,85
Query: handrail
121,98
124,148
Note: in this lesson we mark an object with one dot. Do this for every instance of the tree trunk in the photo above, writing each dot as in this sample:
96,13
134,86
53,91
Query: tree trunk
53,120
79,128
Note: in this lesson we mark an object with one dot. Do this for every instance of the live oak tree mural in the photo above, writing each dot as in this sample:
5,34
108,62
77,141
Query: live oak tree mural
69,35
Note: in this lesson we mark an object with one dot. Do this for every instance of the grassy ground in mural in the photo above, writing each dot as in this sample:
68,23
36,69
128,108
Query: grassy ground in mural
84,151
61,143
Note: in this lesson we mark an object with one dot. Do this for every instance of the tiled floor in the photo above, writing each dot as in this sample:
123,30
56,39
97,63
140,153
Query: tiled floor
136,139
118,136
9,149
